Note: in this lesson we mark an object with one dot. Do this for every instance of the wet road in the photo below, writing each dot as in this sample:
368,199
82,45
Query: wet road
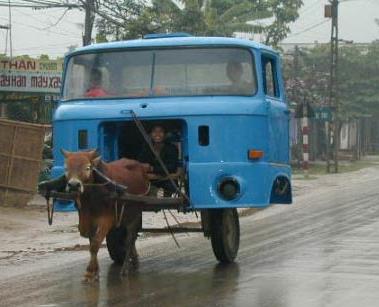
321,251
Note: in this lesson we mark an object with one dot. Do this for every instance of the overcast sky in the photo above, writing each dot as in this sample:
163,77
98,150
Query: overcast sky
34,31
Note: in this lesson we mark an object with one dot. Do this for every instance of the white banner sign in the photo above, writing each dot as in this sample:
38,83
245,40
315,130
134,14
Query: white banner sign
28,75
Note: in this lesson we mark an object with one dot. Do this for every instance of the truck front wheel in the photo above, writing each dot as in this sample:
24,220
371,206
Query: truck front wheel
224,233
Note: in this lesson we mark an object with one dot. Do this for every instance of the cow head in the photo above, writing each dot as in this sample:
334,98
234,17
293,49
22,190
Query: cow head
78,168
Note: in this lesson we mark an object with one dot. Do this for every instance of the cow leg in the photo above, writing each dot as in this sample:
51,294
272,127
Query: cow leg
84,223
92,272
134,255
131,236
137,225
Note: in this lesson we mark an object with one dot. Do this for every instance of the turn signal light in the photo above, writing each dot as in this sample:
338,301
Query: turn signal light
255,154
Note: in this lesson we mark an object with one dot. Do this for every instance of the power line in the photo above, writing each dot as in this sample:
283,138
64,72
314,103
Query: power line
39,20
43,2
40,4
308,8
46,28
58,21
308,25
43,30
6,2
308,29
46,46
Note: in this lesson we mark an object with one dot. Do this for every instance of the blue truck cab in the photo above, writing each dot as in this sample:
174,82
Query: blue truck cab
222,101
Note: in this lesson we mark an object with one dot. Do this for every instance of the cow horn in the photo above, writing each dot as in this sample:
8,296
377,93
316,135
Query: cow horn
65,153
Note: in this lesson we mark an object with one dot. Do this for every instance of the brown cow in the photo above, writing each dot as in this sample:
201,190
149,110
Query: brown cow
96,211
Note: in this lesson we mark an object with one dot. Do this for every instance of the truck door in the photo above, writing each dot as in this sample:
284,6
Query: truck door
278,113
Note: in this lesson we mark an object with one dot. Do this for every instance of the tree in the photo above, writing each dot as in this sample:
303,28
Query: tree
358,80
121,19
44,57
284,12
201,17
357,74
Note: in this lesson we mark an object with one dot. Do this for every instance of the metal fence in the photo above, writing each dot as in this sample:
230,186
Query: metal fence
358,137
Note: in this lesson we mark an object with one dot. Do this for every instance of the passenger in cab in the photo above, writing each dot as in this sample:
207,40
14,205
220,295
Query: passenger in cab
168,153
234,72
96,85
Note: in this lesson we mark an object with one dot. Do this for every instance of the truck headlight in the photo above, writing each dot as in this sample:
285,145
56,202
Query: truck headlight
229,188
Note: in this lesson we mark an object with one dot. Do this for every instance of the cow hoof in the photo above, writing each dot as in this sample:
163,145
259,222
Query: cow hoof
134,263
90,277
124,271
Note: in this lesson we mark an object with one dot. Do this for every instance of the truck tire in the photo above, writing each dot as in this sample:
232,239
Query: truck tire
225,234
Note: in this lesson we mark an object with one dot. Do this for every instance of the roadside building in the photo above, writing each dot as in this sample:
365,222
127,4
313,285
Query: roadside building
29,87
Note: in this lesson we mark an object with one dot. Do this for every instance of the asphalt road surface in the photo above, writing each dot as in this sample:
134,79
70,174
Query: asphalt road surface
321,251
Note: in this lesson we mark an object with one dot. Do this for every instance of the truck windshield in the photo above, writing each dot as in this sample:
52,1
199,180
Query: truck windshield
161,72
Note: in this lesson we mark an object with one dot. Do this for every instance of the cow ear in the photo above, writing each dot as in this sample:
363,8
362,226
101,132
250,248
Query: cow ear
96,161
65,153
93,154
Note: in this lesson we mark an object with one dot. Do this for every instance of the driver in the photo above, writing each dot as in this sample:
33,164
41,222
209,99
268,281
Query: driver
167,152
96,89
234,72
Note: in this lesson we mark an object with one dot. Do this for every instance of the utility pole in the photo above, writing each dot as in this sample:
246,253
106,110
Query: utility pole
89,20
305,133
331,11
304,125
10,29
3,106
90,8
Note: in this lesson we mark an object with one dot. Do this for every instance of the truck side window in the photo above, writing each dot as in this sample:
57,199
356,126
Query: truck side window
270,83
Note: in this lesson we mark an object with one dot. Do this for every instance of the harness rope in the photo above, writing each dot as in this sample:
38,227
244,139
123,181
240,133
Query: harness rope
178,190
170,229
117,188
123,188
161,163
50,210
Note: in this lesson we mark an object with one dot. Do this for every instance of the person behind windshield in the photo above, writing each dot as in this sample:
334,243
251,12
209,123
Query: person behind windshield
168,153
96,88
234,72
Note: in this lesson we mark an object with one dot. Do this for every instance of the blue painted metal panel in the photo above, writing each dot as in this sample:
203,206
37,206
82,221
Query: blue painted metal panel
172,42
278,131
236,124
159,107
255,178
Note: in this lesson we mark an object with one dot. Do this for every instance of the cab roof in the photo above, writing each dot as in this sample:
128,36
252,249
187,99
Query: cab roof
173,42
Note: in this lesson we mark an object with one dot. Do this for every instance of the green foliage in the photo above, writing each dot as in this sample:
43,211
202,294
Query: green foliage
284,13
101,38
44,57
20,111
122,18
358,78
199,17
